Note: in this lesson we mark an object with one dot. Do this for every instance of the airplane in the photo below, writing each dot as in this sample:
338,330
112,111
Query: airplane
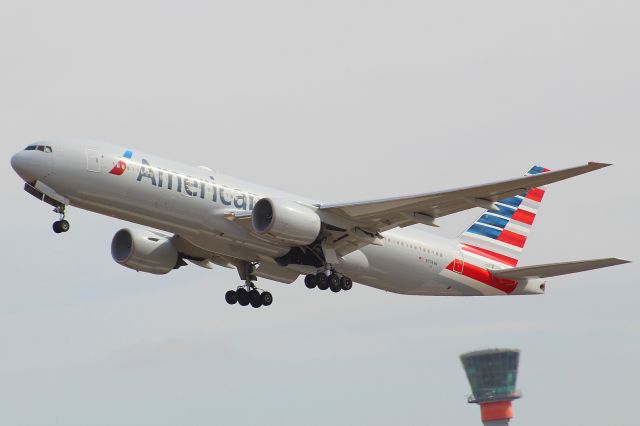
193,214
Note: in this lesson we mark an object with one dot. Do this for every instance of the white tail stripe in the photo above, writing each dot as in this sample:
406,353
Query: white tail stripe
491,244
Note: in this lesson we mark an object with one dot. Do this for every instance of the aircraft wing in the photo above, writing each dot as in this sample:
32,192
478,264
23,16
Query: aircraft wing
381,215
555,269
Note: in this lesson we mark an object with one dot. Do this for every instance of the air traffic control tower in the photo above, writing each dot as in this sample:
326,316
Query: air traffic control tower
492,375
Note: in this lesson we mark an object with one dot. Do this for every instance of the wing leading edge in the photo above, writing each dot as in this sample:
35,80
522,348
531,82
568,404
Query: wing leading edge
384,214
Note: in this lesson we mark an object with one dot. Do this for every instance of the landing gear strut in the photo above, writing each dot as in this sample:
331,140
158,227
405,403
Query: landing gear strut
248,294
61,225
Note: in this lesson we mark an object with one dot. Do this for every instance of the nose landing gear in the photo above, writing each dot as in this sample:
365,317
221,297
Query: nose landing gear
61,225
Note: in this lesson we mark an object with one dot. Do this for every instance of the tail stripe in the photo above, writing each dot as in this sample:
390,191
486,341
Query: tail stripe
500,234
503,211
524,216
535,194
485,231
511,201
485,253
493,220
518,227
537,170
512,238
491,244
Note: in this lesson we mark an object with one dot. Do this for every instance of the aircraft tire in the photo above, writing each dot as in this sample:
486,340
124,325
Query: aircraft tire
346,283
254,297
310,281
231,297
321,281
334,283
56,227
243,297
63,225
266,298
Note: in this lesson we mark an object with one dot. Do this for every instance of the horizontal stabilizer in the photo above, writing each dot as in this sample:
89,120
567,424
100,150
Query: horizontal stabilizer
554,269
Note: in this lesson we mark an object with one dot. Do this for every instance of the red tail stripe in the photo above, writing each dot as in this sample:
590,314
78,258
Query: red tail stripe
490,254
535,194
484,276
524,216
512,238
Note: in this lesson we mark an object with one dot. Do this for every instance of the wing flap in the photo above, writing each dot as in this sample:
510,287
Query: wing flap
555,269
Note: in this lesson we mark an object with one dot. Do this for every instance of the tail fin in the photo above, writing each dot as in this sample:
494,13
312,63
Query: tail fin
499,235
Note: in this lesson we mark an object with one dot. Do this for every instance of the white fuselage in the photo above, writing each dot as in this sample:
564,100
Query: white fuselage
197,203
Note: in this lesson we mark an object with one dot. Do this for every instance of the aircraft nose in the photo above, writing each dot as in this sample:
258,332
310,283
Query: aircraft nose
21,166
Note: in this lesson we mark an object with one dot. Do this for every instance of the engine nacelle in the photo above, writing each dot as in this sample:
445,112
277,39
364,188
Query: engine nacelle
144,251
285,221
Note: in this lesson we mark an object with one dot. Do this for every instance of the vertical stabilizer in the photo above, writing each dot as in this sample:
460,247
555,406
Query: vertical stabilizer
499,235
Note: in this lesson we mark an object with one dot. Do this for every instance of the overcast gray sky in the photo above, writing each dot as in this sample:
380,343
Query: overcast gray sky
334,101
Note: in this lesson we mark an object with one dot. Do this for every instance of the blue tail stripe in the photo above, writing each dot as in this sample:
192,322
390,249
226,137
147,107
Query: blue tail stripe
503,211
511,201
485,231
493,220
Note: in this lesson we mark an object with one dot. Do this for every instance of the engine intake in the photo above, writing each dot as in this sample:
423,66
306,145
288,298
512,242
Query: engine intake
144,251
286,221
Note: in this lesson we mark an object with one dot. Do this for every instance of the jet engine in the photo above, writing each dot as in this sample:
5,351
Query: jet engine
285,222
144,251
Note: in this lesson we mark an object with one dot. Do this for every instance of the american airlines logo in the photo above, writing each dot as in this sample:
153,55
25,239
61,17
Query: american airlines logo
121,166
194,187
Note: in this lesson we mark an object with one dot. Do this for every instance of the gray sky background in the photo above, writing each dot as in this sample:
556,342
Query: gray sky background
335,101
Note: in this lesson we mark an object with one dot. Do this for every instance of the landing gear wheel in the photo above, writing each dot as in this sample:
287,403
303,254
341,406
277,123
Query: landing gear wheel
346,283
334,283
321,281
231,297
254,298
267,298
310,281
60,226
63,225
243,297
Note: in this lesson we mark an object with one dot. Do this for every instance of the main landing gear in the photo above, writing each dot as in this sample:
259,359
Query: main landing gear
248,294
333,281
60,226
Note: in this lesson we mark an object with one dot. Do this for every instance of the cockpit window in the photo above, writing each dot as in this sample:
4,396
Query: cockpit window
44,148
